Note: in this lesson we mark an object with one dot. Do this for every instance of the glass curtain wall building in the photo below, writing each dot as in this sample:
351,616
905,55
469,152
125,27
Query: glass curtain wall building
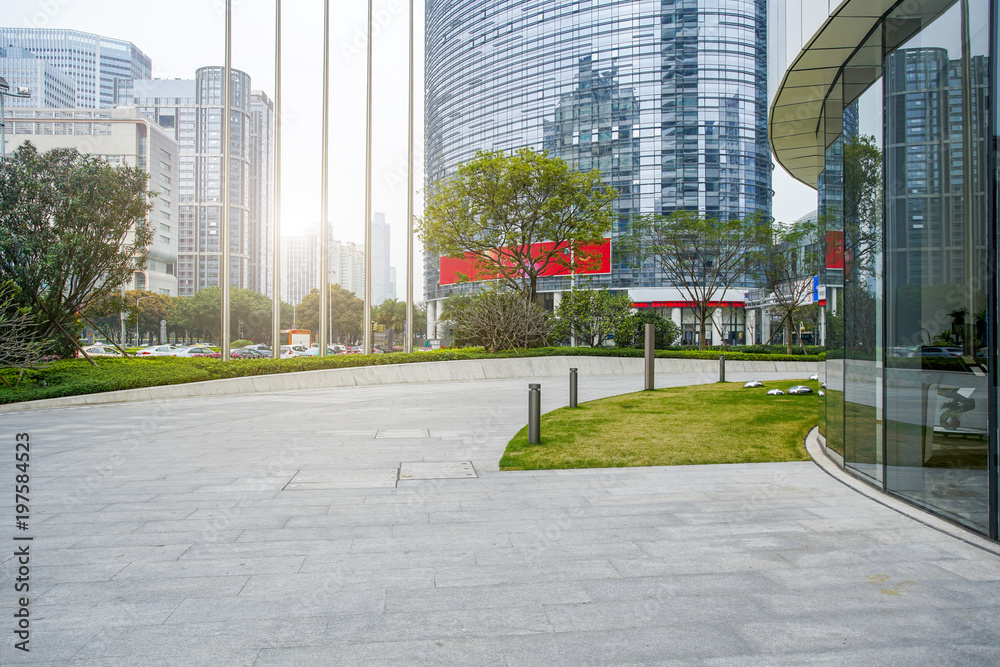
667,98
98,65
904,161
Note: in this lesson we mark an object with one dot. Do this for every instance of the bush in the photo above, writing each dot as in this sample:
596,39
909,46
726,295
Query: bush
240,343
75,377
500,319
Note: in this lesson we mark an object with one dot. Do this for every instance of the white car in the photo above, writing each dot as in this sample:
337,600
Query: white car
292,351
156,351
194,351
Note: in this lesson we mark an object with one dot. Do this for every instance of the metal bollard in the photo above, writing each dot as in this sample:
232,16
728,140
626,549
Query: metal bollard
722,369
534,414
650,355
572,387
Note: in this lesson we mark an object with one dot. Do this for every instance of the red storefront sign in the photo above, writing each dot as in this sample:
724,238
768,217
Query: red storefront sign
591,260
686,304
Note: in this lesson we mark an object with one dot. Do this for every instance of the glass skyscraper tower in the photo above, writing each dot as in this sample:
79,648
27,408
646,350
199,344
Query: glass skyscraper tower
667,98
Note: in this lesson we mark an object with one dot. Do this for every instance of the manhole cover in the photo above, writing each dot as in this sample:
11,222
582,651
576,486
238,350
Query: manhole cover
375,478
402,433
437,470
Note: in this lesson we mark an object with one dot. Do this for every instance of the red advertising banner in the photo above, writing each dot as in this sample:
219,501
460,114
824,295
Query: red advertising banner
835,250
456,269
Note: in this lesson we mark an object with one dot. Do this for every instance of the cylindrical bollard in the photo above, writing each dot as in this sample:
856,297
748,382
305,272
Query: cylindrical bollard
722,369
650,355
534,414
572,387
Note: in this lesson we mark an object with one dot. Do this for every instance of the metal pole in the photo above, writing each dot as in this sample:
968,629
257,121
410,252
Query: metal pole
276,277
408,327
3,129
227,103
367,343
324,277
572,387
650,355
534,414
722,368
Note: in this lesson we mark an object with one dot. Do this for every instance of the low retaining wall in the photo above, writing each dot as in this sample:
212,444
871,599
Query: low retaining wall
430,371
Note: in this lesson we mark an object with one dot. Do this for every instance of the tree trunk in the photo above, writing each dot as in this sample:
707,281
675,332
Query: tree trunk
788,334
701,330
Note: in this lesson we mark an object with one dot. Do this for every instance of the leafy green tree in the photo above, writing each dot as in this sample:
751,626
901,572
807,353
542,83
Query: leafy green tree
862,203
346,313
18,347
633,332
498,205
72,231
703,257
593,316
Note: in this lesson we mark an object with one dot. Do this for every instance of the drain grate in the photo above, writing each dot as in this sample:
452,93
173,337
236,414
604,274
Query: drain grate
437,470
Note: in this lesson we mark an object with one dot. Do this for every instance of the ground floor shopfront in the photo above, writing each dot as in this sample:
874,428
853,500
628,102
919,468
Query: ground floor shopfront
888,112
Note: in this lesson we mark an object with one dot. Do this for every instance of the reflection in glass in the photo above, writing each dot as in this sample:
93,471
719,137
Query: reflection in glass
936,94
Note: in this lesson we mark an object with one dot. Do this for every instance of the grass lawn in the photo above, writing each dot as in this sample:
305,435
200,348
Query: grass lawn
714,423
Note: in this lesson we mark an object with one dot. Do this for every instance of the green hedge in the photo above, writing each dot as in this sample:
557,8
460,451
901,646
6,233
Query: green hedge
76,376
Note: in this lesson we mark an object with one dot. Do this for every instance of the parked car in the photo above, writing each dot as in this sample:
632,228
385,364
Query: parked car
251,353
194,351
157,351
292,351
99,351
330,350
939,351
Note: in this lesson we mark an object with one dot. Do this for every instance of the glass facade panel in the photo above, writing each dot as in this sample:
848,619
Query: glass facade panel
936,265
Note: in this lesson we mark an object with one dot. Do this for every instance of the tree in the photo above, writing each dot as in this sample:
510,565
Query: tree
72,230
18,347
787,264
862,203
346,313
702,256
517,216
592,316
633,332
499,319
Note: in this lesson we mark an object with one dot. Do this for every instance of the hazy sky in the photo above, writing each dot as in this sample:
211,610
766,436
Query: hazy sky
184,35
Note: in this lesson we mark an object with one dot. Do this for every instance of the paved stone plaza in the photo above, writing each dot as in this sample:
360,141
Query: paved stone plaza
370,526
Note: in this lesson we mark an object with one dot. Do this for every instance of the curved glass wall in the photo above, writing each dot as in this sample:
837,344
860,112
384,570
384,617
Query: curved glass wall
907,201
667,99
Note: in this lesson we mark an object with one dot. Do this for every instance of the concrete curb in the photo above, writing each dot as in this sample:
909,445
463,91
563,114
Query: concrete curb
420,372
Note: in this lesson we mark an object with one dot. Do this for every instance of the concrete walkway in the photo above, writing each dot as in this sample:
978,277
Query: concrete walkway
370,526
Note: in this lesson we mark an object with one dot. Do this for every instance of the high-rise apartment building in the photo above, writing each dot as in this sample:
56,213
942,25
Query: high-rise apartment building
120,136
191,110
667,99
300,266
98,65
50,86
350,267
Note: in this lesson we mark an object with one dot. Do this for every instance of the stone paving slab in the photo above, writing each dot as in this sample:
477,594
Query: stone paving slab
167,535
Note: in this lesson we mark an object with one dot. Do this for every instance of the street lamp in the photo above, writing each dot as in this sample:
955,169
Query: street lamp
137,316
20,92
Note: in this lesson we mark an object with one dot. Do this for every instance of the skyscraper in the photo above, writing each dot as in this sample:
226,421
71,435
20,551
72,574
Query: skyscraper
667,99
381,278
192,111
98,65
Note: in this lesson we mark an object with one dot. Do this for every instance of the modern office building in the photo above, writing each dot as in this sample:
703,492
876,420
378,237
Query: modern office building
667,99
98,65
299,266
884,107
350,267
120,136
49,86
191,110
382,287
261,235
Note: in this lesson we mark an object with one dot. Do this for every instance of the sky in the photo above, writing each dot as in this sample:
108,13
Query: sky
184,35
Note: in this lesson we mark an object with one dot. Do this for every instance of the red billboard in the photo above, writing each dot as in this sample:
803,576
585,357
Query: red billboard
590,259
686,304
835,250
